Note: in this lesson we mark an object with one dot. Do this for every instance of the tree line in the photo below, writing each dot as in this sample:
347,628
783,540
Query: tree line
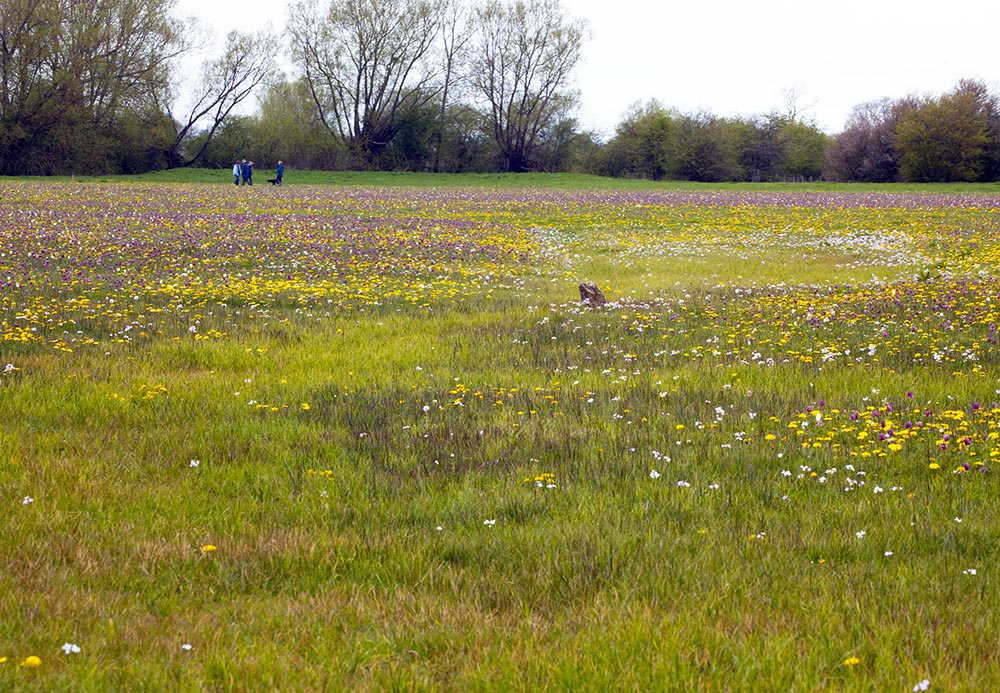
108,86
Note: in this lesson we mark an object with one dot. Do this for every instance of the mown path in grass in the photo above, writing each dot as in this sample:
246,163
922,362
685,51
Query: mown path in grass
368,437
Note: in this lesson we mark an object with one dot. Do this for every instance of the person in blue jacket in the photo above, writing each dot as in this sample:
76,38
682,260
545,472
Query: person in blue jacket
245,172
280,173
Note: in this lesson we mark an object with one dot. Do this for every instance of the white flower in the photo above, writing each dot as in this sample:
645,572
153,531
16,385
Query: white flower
958,520
186,647
9,368
924,685
860,534
427,408
887,554
683,484
194,463
489,523
70,648
192,329
969,571
28,500
439,528
653,474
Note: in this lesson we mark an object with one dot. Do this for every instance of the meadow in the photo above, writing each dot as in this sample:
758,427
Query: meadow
328,437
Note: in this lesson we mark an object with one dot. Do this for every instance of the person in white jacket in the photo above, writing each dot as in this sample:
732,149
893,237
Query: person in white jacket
236,173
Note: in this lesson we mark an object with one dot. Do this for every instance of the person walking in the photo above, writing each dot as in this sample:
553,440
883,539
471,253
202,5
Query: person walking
245,172
236,173
280,173
250,174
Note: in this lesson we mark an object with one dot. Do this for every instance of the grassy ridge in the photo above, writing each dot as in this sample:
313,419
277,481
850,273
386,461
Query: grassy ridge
238,457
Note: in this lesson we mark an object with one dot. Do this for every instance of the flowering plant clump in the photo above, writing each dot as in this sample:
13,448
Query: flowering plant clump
544,480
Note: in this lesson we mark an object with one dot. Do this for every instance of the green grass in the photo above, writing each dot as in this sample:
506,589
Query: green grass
501,489
567,181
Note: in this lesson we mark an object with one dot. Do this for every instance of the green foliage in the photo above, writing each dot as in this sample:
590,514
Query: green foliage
643,144
944,140
75,79
706,150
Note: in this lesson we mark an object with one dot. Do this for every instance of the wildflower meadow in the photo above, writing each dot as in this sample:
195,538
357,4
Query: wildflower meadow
359,437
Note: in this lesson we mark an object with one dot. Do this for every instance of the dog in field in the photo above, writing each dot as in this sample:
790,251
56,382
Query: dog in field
272,181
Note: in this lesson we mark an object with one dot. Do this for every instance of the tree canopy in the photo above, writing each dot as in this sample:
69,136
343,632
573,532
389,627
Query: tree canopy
442,85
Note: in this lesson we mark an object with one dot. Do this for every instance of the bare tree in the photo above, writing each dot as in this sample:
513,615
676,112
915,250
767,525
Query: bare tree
795,109
366,62
521,68
225,83
456,34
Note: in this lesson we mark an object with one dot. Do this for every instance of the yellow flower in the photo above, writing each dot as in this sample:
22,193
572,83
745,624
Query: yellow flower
208,548
31,662
305,406
934,465
851,661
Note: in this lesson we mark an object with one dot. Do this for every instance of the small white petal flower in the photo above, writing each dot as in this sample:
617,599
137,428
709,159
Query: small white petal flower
70,648
194,463
28,500
186,647
860,534
653,474
924,685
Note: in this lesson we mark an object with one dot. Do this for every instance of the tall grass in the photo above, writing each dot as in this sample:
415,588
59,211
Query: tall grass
747,472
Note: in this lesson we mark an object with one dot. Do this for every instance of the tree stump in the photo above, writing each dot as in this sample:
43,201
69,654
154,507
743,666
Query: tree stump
591,295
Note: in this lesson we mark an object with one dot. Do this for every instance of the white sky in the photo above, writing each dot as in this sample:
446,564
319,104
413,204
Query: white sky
741,57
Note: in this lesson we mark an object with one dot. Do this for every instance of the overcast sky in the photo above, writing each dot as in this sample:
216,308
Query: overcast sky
741,58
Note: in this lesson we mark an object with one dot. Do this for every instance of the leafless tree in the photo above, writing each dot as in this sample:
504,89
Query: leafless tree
225,83
366,61
521,68
456,36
